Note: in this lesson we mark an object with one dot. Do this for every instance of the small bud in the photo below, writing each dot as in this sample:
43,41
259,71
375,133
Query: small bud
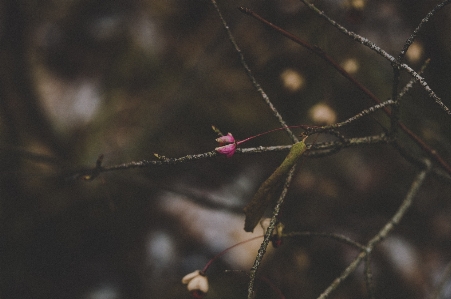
197,283
276,238
226,139
277,233
227,150
228,145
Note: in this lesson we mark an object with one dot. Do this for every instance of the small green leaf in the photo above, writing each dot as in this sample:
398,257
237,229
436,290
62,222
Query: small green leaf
265,194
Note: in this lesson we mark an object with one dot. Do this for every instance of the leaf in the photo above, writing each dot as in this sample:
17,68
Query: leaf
265,194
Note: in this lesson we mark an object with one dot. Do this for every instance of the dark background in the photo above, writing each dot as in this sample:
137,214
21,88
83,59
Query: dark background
131,78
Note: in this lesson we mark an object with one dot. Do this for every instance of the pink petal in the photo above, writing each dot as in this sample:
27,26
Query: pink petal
227,150
226,139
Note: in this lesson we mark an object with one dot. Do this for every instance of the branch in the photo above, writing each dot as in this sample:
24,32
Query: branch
268,234
316,50
381,52
337,237
324,149
383,233
252,78
420,26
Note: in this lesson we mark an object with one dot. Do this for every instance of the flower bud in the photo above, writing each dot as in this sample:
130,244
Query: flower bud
226,139
197,283
228,145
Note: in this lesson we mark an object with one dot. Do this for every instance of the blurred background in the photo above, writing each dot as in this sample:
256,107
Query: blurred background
129,78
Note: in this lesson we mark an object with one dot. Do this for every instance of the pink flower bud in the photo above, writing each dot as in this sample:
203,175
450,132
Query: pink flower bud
226,139
228,145
227,150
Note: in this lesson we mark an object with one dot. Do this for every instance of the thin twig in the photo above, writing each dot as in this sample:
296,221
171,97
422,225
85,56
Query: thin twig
337,237
361,114
139,164
323,147
345,240
381,52
409,85
251,76
420,26
383,233
268,234
369,277
394,116
316,50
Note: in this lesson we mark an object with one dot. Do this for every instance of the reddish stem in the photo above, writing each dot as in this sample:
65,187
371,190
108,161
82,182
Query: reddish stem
270,131
225,251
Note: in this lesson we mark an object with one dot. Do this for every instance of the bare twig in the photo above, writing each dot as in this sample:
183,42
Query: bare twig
396,68
381,52
345,240
369,277
252,78
420,26
316,50
409,85
361,114
326,148
268,234
333,236
140,164
383,233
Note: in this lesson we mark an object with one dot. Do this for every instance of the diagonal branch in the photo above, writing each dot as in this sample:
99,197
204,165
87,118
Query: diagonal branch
420,26
316,50
252,78
268,234
383,233
381,52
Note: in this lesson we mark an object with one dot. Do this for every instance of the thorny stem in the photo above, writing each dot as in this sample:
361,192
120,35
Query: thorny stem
251,76
383,233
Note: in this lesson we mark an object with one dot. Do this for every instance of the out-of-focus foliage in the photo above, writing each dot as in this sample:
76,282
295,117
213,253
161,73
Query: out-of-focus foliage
127,78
